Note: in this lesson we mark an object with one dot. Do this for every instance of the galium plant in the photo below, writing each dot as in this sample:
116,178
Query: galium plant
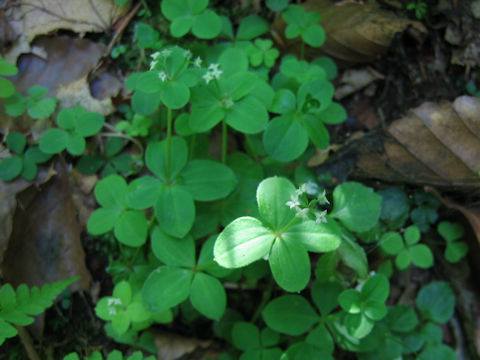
186,224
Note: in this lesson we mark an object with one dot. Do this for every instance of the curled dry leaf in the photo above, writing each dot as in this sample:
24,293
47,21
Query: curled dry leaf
171,346
39,17
434,144
356,32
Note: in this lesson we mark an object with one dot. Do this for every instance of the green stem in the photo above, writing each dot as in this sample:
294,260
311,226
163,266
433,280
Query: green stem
290,223
205,266
251,147
137,143
267,294
224,141
169,143
325,319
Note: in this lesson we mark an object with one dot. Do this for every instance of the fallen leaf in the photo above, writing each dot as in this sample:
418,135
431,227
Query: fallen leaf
356,32
171,346
32,18
45,244
434,144
355,79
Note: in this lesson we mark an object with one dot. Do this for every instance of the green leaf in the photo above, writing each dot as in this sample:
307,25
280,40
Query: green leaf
10,168
421,256
175,95
35,155
75,144
206,258
175,211
358,325
290,264
53,141
290,314
131,228
110,192
156,157
242,242
208,296
268,337
16,142
376,288
334,114
456,251
37,91
15,104
450,231
438,352
102,220
317,132
30,169
42,109
277,5
7,68
325,295
356,206
321,237
402,318
207,25
272,196
392,243
207,180
353,255
146,35
436,302
350,300
173,251
251,27
6,88
247,115
145,103
284,102
233,60
285,138
142,192
166,287
245,336
412,235
314,36
89,123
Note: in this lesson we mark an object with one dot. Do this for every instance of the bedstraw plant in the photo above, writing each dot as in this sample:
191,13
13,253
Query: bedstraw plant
193,228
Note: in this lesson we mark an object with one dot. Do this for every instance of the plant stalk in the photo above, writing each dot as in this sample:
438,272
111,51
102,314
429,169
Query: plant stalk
224,141
169,143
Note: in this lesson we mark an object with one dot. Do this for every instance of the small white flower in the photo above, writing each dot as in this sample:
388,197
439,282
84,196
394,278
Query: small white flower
187,54
320,217
302,213
112,311
197,62
322,198
294,202
114,301
162,76
156,55
208,77
311,188
153,64
301,190
213,67
166,53
216,73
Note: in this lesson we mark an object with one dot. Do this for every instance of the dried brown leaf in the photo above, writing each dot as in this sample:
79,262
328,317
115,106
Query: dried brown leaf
434,144
356,32
30,18
171,346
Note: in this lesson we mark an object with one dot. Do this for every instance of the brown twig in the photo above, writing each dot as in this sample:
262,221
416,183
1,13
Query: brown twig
27,343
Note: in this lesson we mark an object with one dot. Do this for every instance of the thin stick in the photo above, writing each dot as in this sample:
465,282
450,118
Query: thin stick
27,343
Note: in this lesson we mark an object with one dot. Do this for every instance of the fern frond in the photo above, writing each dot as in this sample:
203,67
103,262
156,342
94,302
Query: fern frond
18,307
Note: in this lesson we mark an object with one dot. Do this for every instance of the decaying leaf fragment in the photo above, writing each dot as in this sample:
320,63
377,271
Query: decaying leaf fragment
171,346
356,32
32,18
434,144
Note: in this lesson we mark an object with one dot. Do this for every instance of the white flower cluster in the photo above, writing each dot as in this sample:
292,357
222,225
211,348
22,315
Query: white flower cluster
309,188
156,56
111,303
213,72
